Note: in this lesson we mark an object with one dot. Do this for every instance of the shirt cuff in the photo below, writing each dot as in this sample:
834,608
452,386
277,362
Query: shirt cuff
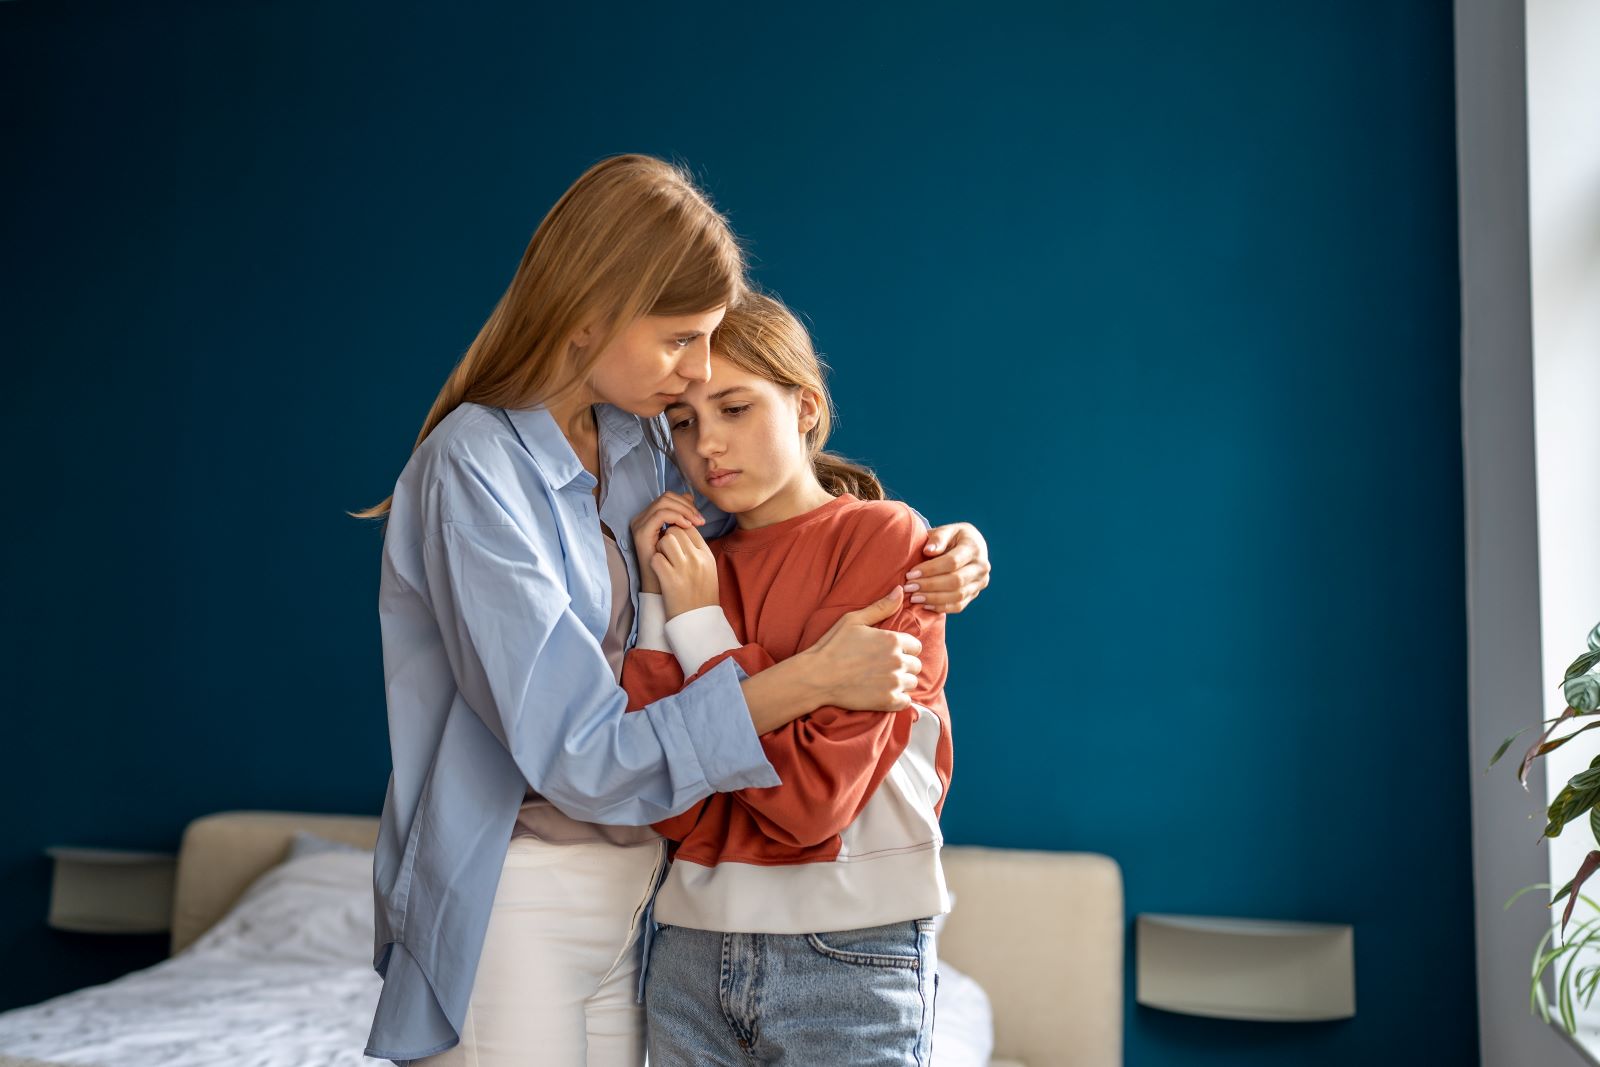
716,718
696,636
652,624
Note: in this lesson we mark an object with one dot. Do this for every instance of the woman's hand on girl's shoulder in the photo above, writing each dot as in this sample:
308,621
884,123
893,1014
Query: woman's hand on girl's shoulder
687,571
957,569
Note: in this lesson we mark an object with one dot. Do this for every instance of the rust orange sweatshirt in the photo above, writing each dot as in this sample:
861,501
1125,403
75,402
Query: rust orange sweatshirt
851,838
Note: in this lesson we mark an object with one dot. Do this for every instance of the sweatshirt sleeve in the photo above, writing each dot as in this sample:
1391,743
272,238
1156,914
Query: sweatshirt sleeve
831,761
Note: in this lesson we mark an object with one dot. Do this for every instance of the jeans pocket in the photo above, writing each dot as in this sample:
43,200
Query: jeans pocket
894,945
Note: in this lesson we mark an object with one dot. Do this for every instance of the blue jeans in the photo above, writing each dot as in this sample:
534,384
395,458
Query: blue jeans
856,998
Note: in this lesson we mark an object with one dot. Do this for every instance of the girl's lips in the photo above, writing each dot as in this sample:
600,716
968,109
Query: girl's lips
721,478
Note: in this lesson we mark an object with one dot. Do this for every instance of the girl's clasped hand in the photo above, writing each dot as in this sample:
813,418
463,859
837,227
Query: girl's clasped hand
675,560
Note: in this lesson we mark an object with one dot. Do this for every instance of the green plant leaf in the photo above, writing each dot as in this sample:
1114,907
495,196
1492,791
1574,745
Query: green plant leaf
1568,805
1594,638
1582,664
1501,751
1576,980
1525,889
1582,692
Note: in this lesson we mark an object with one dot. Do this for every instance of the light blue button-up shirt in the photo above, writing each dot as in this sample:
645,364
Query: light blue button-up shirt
493,600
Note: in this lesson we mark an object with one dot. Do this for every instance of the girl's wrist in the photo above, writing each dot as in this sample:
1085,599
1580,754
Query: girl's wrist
677,605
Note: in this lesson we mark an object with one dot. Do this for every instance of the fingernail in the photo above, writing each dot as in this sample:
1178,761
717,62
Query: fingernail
914,574
919,600
913,587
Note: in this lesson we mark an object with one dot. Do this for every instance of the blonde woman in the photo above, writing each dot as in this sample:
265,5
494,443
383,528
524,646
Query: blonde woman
514,875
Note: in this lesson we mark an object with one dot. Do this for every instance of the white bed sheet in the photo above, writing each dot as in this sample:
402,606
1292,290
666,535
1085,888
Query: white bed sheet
285,980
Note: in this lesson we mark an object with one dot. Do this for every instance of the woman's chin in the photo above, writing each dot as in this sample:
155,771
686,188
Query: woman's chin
648,408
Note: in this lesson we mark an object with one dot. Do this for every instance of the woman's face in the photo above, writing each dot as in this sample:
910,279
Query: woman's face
740,439
653,360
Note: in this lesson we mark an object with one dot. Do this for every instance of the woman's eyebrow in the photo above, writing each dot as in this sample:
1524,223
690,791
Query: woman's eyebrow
725,392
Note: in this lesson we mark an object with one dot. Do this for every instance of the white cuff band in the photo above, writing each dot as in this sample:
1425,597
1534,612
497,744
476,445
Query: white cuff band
696,636
652,623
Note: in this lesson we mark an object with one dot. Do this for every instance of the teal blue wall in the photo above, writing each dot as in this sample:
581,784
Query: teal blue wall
1161,295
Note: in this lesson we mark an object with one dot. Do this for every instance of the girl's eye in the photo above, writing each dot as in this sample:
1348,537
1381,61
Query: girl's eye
683,342
681,424
740,410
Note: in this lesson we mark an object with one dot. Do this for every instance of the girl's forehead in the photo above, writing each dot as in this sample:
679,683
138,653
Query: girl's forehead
725,375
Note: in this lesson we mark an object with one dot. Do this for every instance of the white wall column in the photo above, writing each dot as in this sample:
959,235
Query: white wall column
1506,673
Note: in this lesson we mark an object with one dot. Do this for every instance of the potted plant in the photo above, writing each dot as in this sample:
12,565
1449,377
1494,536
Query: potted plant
1578,954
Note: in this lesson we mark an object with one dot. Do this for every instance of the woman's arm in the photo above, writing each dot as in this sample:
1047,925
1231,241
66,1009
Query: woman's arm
528,667
531,671
832,762
856,665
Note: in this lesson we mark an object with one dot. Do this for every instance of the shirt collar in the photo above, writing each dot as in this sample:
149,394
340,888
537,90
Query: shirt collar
620,433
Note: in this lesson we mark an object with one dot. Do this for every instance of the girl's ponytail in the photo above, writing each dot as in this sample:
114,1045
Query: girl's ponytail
839,475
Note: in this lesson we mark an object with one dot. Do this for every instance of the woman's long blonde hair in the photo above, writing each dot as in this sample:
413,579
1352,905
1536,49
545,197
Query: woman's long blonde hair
762,337
633,236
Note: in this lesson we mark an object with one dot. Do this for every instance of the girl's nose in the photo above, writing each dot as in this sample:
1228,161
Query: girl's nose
708,444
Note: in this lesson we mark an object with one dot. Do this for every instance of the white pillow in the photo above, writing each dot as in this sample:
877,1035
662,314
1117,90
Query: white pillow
963,1021
314,908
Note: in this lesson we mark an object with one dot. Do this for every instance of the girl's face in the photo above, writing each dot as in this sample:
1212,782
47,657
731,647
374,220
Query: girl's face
740,438
653,360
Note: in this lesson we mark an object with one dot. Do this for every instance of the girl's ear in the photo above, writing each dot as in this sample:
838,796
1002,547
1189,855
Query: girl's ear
810,409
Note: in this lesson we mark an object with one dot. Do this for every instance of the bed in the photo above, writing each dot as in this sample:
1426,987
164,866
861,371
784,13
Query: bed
271,943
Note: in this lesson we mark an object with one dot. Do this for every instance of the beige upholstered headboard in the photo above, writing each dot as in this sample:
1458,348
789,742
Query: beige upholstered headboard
222,854
1042,932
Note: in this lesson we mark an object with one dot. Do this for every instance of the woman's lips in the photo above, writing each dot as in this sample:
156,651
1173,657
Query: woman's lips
718,479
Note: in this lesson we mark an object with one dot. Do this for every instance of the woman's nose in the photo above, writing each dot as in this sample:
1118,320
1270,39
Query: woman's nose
695,364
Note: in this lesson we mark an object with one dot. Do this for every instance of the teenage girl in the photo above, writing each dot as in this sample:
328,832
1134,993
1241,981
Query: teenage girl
796,918
511,899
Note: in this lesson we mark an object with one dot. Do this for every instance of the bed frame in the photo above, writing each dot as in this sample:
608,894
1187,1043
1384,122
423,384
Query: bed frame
1042,932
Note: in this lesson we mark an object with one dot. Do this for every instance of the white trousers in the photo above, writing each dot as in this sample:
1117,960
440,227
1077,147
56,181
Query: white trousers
557,980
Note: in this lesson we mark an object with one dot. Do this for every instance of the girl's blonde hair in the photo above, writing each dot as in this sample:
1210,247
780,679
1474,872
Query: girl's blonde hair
633,236
762,337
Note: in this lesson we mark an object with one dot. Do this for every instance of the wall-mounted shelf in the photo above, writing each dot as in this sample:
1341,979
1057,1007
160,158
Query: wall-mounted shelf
1255,969
111,891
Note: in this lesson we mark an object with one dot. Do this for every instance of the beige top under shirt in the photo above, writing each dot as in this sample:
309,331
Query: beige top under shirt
538,817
